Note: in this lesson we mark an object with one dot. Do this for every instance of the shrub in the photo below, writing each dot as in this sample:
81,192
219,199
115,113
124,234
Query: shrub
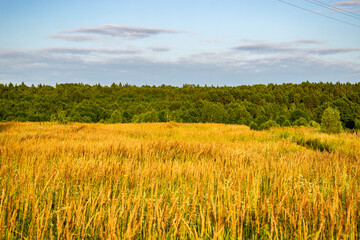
61,118
287,123
301,122
357,124
254,126
330,121
269,124
314,124
281,119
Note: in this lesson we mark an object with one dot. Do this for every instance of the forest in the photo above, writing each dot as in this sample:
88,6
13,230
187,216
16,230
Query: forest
257,106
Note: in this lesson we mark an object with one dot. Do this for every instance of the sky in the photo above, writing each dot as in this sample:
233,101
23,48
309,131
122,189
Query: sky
176,42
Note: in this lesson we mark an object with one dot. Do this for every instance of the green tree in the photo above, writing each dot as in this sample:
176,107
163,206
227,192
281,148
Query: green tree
314,124
150,116
348,111
126,116
281,119
330,121
301,122
116,117
261,119
297,114
164,115
267,125
76,117
213,112
357,124
287,123
254,126
53,118
190,103
237,114
62,117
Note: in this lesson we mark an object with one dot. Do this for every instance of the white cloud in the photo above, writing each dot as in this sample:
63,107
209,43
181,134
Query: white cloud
291,48
348,3
159,49
113,30
73,38
56,65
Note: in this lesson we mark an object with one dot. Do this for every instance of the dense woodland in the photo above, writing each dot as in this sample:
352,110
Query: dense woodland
286,104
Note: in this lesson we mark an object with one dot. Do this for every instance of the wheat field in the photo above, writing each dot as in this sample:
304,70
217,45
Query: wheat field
177,181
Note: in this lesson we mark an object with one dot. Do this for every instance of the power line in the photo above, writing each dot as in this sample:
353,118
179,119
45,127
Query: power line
308,10
338,10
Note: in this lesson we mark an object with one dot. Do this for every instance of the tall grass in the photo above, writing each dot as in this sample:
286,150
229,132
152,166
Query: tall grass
175,181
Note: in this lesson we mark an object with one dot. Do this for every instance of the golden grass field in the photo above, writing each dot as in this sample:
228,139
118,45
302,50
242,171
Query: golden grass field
177,181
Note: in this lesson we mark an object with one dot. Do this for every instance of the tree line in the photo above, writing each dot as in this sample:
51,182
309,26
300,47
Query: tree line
258,106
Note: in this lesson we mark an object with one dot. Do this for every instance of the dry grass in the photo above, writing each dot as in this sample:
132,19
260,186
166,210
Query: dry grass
175,181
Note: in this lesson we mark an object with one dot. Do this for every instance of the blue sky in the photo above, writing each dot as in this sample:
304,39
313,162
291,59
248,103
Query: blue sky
176,42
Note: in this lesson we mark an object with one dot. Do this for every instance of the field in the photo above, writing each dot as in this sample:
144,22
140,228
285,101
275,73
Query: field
177,181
